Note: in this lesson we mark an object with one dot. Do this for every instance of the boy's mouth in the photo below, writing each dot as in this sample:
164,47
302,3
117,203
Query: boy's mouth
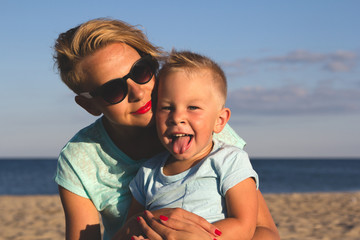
181,142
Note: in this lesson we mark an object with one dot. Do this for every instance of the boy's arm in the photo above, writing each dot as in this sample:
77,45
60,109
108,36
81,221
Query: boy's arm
135,209
131,226
242,209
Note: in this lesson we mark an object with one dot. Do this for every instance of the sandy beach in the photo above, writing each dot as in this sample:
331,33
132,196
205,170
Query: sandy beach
327,216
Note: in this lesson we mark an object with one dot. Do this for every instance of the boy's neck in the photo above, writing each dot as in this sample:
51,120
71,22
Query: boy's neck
174,166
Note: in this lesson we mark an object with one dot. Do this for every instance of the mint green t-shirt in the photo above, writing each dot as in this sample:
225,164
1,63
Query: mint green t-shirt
91,166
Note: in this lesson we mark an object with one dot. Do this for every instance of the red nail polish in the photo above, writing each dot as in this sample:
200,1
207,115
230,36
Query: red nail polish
138,219
132,238
217,232
163,218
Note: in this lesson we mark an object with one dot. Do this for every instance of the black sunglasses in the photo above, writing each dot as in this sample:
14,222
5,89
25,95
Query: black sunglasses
114,91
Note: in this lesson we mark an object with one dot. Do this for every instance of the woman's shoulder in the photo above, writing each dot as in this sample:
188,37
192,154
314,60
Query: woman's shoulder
90,132
224,153
92,146
230,137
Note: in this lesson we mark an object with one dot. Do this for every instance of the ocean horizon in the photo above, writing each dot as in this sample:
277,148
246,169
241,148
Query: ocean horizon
34,176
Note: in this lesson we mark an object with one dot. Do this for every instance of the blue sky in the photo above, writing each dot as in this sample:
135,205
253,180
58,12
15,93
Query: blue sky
293,69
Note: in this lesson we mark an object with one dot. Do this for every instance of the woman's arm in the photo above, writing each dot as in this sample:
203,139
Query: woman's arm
180,225
265,226
81,216
241,222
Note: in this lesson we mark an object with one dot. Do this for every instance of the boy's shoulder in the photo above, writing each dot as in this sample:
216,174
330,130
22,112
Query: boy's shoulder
157,160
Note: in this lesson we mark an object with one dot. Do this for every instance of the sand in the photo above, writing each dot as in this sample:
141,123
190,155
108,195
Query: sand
314,216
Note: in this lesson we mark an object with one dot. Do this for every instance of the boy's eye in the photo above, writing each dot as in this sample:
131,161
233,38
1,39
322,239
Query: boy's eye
193,107
166,108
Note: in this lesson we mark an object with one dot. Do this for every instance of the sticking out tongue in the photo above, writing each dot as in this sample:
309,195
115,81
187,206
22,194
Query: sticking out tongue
181,144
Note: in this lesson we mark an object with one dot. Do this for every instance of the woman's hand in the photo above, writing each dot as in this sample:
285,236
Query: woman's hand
139,238
177,224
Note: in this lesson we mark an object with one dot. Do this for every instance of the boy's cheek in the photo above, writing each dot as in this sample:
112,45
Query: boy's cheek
161,118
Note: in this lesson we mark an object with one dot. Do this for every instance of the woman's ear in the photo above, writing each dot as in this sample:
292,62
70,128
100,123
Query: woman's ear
223,118
88,105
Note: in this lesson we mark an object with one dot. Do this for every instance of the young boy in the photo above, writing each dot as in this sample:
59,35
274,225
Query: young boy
199,174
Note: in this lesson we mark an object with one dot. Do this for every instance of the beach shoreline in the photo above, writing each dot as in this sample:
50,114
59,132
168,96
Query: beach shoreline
327,216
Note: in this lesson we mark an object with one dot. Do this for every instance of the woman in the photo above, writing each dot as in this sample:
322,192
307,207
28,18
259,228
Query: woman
110,65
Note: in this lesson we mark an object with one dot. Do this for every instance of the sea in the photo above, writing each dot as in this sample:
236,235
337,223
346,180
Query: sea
36,176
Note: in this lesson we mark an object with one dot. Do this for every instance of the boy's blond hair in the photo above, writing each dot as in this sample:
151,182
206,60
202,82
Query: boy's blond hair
190,61
73,46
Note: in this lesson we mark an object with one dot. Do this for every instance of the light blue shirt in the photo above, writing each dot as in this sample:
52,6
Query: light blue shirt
200,189
92,166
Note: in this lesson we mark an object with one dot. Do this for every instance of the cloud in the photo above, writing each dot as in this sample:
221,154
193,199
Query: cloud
338,66
298,56
338,61
298,85
294,100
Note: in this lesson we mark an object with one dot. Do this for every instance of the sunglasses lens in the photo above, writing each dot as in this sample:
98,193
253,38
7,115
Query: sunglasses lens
142,72
114,91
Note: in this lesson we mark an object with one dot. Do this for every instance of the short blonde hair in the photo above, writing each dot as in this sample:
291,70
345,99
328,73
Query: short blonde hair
190,61
73,46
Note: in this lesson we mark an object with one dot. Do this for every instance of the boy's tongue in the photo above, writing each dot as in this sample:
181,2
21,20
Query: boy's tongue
181,144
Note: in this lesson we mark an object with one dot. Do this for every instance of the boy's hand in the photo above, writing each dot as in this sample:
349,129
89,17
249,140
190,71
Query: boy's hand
131,228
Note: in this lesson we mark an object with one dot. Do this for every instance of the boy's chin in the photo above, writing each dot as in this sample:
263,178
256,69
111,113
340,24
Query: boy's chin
180,156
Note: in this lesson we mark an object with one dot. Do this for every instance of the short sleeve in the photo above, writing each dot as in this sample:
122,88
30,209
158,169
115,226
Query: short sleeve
230,137
67,178
234,168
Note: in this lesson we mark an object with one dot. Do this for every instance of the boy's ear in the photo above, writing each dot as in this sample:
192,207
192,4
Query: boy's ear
87,105
222,119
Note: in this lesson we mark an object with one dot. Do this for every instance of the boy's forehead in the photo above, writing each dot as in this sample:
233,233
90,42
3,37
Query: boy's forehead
192,76
185,80
189,75
199,83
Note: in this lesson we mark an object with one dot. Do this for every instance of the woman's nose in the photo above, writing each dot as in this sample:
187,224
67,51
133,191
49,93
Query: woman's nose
136,92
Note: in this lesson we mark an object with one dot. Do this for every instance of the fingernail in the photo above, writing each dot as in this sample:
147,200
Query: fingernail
132,238
138,219
163,218
217,232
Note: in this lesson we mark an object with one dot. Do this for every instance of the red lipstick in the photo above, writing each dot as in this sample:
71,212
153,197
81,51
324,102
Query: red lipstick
144,109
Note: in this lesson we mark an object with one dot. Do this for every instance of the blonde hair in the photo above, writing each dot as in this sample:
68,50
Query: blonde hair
190,61
73,46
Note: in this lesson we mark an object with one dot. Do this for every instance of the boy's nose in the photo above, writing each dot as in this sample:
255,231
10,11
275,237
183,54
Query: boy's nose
177,117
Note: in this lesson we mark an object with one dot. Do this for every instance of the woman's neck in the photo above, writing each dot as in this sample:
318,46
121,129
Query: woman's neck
136,142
